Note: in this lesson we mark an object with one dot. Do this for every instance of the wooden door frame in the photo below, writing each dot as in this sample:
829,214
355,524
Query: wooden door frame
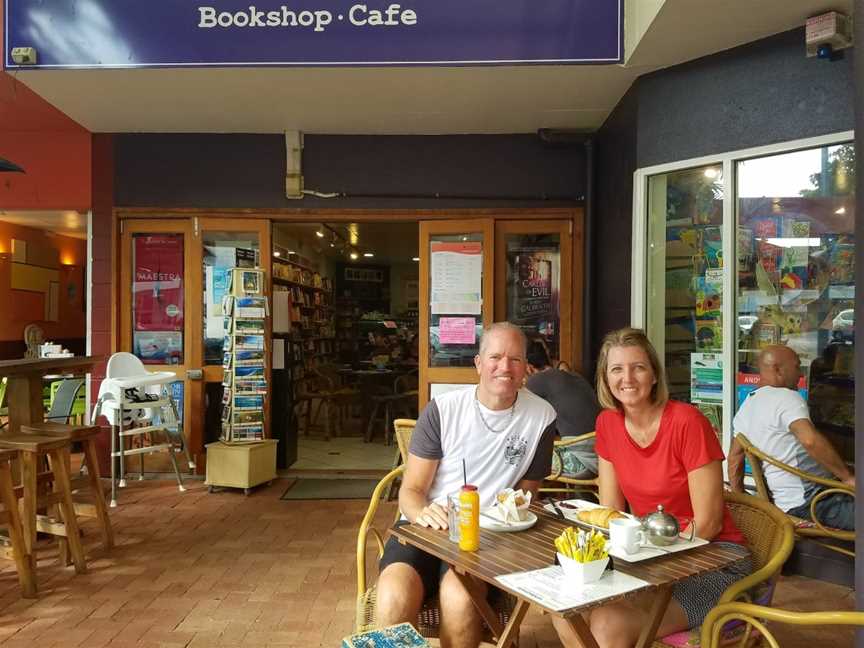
192,425
570,297
465,375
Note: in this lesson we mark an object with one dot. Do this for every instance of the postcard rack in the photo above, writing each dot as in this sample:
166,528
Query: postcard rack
244,383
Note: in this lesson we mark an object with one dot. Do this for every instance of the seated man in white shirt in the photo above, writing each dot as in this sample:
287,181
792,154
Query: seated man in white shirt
504,434
776,420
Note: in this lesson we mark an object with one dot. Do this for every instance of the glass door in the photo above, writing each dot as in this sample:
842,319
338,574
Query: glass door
456,293
685,285
534,284
159,307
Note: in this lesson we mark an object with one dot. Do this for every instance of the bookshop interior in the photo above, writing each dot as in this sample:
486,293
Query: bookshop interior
345,310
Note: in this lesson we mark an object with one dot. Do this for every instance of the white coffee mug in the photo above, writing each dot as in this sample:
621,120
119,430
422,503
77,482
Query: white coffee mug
626,534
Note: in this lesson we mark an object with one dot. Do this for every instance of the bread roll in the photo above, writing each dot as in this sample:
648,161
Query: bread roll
599,516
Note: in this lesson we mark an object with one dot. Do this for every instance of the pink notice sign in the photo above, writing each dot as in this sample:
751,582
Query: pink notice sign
456,330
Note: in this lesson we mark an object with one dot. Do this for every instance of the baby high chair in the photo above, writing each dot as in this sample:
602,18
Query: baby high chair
138,402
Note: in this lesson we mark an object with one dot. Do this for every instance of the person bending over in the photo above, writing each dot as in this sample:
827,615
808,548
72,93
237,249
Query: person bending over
504,434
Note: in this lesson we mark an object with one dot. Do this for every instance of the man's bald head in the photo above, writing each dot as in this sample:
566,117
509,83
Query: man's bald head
779,366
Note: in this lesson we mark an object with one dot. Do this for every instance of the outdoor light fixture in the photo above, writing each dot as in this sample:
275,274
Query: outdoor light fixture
6,165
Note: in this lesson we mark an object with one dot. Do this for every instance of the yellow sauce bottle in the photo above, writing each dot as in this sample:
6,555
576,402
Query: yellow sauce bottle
469,518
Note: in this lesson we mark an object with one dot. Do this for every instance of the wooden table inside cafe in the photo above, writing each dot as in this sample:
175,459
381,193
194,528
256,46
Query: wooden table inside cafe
24,381
507,553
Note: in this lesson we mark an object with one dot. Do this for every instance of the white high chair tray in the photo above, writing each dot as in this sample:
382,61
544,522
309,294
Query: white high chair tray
151,378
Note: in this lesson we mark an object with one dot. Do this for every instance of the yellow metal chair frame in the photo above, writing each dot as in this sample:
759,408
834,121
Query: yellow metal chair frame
570,485
755,457
770,538
755,616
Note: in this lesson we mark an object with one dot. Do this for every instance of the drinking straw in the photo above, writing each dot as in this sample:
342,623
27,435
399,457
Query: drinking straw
464,472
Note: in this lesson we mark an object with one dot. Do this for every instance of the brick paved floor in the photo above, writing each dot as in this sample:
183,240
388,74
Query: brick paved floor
197,570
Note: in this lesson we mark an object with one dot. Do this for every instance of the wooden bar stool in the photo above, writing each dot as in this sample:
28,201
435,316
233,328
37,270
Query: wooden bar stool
12,518
90,484
32,447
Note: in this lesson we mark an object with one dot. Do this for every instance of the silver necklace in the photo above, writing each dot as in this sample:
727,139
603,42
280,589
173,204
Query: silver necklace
485,424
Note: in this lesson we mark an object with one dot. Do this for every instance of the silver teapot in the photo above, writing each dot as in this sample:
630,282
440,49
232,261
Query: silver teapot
662,529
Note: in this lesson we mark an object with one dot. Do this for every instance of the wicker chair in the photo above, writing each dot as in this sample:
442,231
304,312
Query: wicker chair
814,529
755,616
569,485
402,430
770,538
429,619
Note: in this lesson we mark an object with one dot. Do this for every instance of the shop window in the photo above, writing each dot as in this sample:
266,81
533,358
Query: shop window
222,251
534,287
795,263
158,298
455,299
685,284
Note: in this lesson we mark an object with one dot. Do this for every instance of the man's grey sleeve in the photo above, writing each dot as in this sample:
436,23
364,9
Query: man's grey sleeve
541,465
426,440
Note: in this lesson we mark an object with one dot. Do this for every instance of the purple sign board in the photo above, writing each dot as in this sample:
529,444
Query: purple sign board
220,33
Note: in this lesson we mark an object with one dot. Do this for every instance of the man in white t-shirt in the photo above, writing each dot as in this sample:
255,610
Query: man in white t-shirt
776,420
504,434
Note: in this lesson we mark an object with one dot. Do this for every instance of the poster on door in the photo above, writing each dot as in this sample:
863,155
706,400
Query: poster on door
158,300
533,289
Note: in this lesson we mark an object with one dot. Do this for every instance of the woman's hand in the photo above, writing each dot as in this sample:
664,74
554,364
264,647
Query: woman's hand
433,516
706,495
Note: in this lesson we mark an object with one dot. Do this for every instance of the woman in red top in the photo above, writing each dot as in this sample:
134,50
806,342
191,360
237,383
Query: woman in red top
655,451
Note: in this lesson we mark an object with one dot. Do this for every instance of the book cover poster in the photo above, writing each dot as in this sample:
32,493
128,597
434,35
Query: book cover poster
158,282
533,286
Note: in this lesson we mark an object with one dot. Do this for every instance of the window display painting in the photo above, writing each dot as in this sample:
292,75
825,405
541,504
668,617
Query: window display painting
158,298
533,286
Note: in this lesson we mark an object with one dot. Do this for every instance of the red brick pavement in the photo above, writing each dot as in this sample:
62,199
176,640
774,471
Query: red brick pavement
196,570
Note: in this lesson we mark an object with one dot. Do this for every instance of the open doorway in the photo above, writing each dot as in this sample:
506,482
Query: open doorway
351,342
43,281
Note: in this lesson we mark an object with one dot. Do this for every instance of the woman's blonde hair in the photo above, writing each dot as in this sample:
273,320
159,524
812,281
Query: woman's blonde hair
628,337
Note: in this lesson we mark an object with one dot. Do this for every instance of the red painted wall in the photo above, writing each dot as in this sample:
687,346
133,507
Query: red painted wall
54,150
29,307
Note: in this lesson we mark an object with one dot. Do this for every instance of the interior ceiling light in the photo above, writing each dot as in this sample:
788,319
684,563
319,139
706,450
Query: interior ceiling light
277,253
711,173
841,211
319,233
416,259
6,165
368,254
353,256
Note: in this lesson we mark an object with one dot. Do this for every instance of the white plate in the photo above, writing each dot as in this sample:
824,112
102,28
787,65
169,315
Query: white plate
491,524
647,551
581,505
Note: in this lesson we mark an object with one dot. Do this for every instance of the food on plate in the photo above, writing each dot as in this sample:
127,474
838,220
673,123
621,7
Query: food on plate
511,506
518,499
600,516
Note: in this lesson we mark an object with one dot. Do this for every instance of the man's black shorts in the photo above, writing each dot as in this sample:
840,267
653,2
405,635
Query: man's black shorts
430,569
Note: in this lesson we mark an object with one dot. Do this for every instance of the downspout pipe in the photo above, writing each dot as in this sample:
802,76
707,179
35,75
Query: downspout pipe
587,368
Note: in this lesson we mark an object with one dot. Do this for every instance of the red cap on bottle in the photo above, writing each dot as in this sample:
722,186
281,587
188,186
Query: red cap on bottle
469,487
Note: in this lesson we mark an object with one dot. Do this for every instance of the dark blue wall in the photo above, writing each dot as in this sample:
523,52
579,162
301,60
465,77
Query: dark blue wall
378,172
760,93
